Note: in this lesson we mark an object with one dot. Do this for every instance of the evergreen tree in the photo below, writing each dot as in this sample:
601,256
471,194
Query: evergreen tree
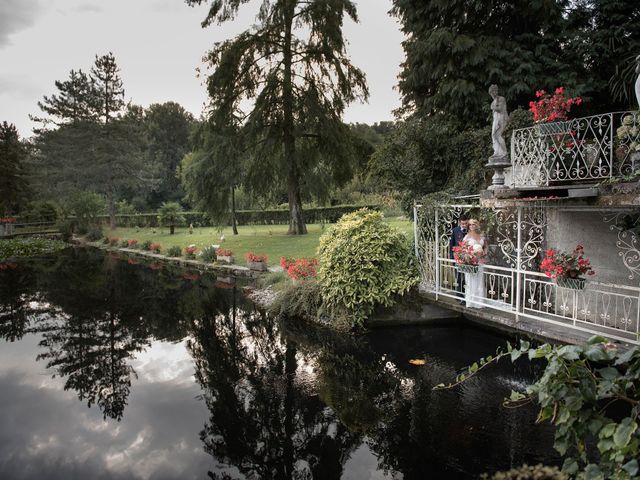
214,170
13,178
96,144
167,128
293,69
456,49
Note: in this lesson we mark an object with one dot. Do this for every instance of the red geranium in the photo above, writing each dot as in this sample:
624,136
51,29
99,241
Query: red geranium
551,108
254,257
113,241
299,268
155,247
7,219
566,265
223,252
132,243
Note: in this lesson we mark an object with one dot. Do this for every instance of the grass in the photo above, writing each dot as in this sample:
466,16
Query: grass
271,240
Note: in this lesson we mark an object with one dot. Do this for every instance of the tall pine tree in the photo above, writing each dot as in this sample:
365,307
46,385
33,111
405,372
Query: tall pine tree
13,178
292,67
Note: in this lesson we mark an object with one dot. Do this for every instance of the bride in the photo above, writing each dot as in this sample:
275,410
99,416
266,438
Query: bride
474,282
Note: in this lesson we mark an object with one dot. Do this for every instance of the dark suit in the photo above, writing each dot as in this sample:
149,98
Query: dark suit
457,235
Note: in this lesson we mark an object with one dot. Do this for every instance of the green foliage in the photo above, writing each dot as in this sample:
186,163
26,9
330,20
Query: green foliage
576,393
364,262
29,247
66,229
173,251
527,472
456,49
302,299
146,245
167,128
95,233
86,207
291,67
170,215
125,208
208,254
13,179
40,211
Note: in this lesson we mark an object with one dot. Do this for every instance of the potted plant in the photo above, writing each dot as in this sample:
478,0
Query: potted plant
468,257
224,255
190,252
550,112
567,268
255,261
155,247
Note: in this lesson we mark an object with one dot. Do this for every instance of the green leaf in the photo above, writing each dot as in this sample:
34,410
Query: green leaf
516,396
570,352
570,466
627,356
596,354
593,472
608,373
631,467
623,433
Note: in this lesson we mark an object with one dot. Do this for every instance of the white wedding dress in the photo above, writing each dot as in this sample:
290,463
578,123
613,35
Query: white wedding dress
474,282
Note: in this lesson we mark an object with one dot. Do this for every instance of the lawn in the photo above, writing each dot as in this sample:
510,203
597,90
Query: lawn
271,240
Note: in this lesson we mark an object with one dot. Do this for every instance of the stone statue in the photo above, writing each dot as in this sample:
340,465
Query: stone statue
638,80
500,117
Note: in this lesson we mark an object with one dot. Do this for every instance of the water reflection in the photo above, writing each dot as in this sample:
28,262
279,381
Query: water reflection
159,356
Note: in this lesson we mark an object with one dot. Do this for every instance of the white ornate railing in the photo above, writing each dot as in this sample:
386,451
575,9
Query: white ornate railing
516,287
588,149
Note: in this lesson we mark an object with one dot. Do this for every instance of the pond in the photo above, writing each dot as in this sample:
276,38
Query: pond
113,368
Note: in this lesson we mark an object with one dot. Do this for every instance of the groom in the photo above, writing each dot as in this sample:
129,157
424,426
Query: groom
457,234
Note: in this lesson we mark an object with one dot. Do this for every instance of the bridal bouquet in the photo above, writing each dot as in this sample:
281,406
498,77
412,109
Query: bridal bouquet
467,254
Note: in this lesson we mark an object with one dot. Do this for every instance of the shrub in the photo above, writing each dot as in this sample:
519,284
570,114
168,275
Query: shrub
174,251
105,240
526,472
303,300
94,233
146,245
364,262
255,257
208,254
170,215
66,229
113,241
155,247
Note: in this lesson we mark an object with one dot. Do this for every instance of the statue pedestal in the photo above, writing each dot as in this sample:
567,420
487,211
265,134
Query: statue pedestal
498,163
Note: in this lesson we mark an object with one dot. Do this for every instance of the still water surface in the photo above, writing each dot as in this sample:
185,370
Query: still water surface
118,369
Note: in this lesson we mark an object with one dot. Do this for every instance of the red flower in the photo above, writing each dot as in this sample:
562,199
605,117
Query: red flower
568,265
550,108
299,268
255,257
224,252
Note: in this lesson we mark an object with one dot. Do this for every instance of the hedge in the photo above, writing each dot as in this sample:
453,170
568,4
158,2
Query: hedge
243,217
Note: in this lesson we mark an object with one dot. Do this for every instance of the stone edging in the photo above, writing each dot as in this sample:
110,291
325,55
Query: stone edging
235,270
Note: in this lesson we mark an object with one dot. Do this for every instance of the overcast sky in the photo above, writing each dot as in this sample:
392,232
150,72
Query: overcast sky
158,45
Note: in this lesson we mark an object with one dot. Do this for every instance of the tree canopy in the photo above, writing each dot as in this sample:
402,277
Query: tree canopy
13,180
291,67
456,49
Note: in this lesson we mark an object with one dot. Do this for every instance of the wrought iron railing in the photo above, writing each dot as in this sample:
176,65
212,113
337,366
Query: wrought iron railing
582,150
512,283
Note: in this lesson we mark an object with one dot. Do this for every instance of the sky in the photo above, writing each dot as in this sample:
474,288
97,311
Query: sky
158,45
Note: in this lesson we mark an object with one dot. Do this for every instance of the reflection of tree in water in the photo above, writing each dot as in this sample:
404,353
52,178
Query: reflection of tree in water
263,420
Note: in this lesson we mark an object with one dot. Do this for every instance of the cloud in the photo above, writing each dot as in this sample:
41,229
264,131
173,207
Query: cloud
88,8
18,87
16,15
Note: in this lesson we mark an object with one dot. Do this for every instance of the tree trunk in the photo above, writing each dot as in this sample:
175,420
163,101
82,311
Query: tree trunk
296,220
172,229
234,223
